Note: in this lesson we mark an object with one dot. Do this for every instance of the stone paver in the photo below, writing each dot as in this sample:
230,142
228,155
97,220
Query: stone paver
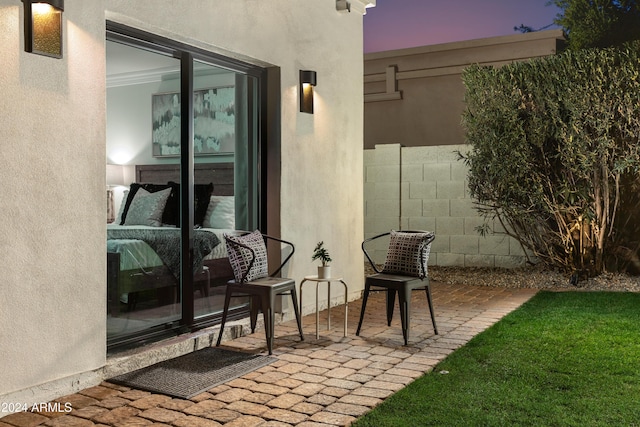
191,421
204,407
285,401
150,401
161,415
314,383
322,399
333,418
26,419
116,415
248,408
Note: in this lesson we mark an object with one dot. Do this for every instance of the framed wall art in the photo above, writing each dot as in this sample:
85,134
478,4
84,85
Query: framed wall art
213,126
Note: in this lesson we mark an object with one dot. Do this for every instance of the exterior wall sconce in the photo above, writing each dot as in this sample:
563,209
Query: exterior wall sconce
43,27
307,82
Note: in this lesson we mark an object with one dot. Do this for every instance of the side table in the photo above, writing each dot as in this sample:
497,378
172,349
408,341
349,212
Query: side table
317,281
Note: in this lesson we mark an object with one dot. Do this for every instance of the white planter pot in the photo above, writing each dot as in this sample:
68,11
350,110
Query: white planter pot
324,272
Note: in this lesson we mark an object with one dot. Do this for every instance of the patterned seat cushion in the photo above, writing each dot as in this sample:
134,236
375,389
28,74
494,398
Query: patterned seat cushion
408,253
240,257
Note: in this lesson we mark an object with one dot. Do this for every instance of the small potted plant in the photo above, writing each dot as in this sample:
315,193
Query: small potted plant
322,254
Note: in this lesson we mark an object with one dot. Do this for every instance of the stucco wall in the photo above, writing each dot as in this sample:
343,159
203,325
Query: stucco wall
53,124
415,96
321,188
52,233
425,188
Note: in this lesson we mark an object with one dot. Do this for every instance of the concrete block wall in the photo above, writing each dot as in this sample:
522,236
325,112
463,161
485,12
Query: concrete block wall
426,188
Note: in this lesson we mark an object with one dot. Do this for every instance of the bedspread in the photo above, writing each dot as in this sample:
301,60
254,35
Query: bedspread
166,243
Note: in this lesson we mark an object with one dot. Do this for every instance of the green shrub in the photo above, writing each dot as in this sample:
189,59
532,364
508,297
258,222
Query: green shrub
555,155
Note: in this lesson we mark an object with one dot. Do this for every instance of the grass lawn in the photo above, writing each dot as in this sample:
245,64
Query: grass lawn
562,359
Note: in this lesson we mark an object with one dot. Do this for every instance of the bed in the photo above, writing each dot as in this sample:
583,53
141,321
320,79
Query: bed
143,243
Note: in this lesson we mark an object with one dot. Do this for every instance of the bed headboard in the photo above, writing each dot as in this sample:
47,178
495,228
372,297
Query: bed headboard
220,174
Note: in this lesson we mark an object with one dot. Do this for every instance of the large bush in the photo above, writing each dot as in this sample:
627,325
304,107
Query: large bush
555,155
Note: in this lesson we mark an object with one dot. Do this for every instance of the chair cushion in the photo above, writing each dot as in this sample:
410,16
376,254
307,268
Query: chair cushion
408,254
240,257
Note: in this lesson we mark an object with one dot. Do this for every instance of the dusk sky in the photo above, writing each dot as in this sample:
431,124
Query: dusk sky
397,24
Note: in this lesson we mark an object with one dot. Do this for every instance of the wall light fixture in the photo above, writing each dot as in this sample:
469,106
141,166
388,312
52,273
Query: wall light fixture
307,82
43,27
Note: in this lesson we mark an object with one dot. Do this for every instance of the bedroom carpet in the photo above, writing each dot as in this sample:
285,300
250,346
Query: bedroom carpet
193,373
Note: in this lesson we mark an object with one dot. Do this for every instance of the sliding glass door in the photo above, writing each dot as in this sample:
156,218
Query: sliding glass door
224,128
183,162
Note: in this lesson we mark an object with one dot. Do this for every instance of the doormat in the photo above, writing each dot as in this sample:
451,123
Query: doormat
189,375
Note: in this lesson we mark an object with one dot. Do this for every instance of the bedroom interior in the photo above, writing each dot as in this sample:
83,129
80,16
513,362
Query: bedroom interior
141,281
147,294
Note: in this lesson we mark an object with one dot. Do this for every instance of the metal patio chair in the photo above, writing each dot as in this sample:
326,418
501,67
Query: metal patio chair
248,257
405,270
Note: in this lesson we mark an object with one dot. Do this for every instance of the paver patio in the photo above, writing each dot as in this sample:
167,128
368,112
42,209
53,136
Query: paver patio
317,382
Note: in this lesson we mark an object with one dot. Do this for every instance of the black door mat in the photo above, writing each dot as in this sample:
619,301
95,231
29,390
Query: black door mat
189,375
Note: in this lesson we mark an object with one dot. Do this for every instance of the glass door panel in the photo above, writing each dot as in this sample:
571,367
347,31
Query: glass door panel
143,240
219,125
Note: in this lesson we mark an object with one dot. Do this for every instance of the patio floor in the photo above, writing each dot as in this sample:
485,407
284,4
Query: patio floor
317,382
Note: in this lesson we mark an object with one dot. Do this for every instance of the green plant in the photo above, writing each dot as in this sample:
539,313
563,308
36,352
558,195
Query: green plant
598,23
322,254
555,159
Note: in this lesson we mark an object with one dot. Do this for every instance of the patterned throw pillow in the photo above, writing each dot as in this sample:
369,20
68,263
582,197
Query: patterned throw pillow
408,254
240,257
146,208
150,188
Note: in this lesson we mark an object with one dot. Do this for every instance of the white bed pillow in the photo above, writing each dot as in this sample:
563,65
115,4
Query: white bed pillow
121,210
146,208
221,213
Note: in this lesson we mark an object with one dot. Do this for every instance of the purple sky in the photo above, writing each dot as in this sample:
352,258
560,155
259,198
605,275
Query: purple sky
396,24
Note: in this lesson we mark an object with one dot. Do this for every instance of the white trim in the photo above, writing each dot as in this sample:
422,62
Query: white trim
361,6
466,44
